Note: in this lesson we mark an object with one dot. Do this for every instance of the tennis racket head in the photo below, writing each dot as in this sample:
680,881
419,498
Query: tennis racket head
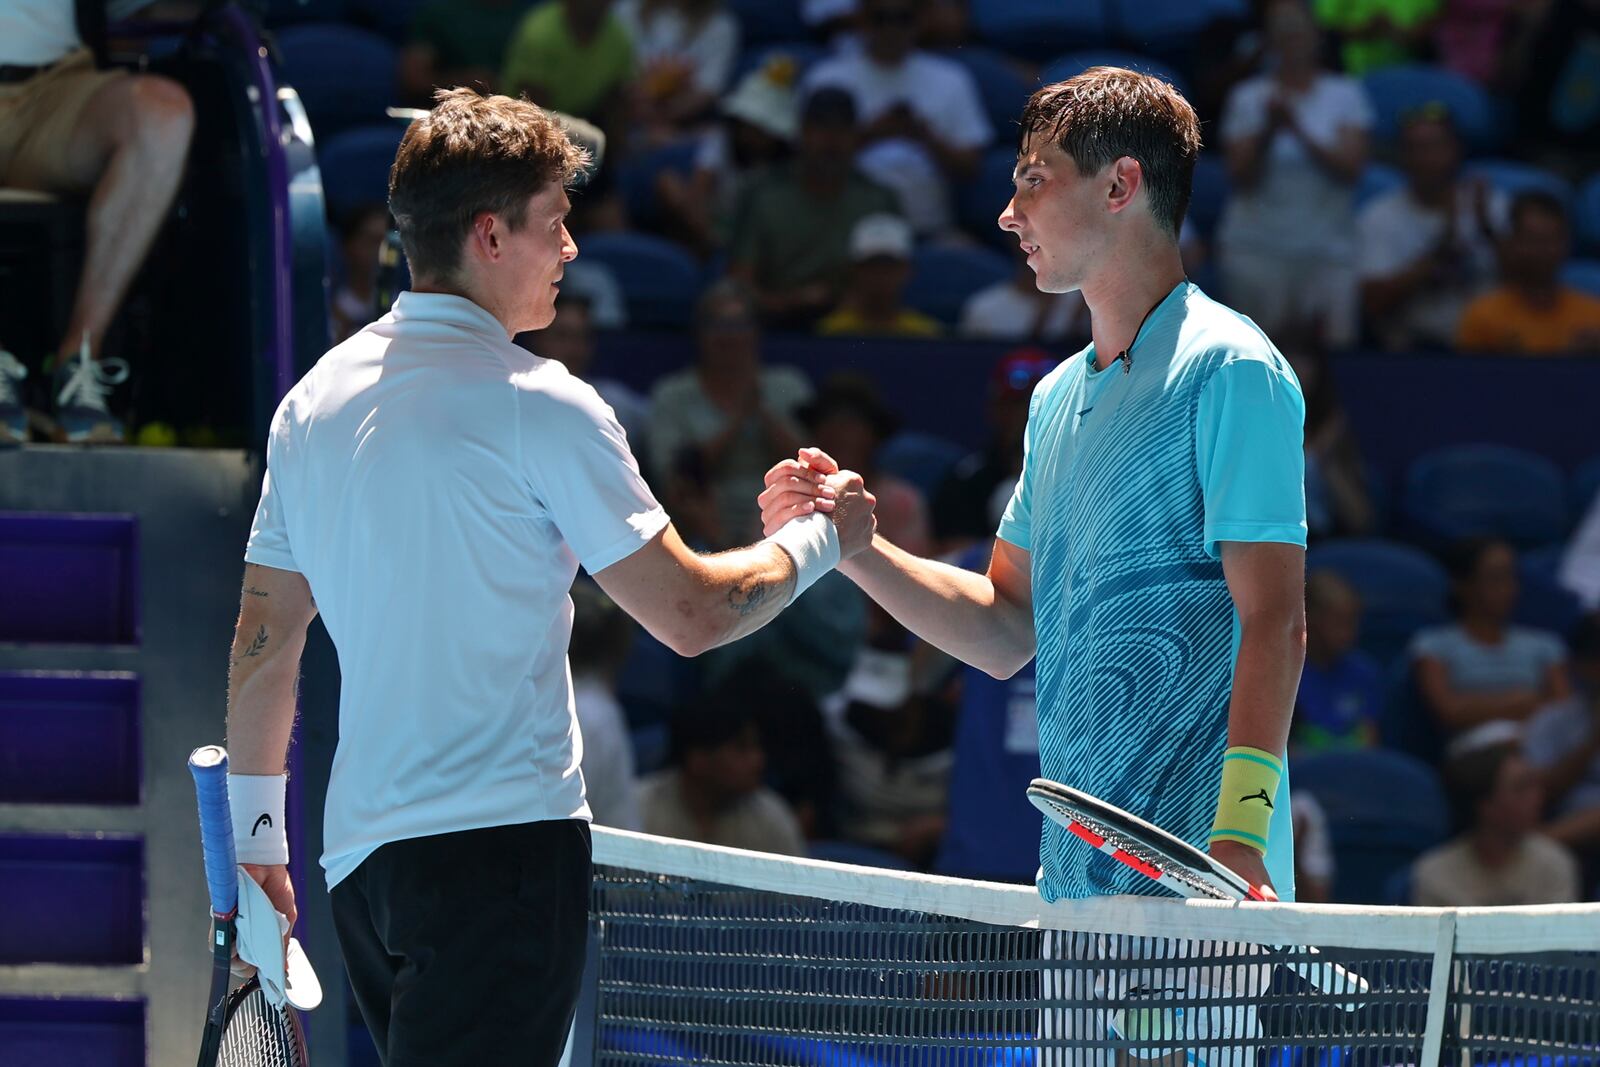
256,1034
1153,852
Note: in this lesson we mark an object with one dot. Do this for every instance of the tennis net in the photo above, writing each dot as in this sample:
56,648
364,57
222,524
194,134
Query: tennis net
707,955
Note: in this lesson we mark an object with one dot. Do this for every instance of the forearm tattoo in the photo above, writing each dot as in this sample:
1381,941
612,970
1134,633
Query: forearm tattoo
257,644
251,590
748,597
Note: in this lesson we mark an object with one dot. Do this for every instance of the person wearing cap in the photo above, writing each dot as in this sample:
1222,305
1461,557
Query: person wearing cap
880,265
760,121
969,502
791,241
1499,857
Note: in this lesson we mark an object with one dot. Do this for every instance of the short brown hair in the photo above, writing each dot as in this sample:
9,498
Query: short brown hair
473,153
1106,113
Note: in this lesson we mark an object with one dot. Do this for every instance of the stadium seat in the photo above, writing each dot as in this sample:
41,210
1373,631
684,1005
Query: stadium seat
1210,193
761,21
661,279
1384,809
1584,488
1583,274
1073,63
1377,179
1544,602
1513,178
1475,490
1038,29
355,166
1168,27
636,177
1405,724
1003,88
919,458
1397,90
980,200
1586,214
944,276
288,12
345,76
1402,589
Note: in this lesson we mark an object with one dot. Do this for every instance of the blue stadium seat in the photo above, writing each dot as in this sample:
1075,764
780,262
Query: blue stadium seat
769,20
1586,214
289,12
1585,487
1384,809
1377,179
1402,589
1405,724
1583,274
980,200
1073,63
1210,193
922,459
1544,602
1474,490
661,279
636,177
1396,90
1003,88
1514,178
345,76
944,276
1038,29
1168,27
355,166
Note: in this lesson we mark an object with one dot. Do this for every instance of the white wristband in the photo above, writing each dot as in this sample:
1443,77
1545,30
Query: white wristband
256,801
813,544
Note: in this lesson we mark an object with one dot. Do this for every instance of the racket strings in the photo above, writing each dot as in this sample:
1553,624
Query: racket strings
260,1035
1201,884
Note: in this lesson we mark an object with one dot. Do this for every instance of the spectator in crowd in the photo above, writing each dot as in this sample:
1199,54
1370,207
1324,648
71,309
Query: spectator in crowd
1563,739
602,635
791,242
1426,249
1480,667
1341,687
119,140
760,121
716,427
569,340
873,303
457,42
573,56
1557,108
1531,312
1379,33
925,126
361,235
1018,310
1296,142
594,282
1337,498
713,790
1499,858
1482,39
1314,866
970,501
684,51
800,764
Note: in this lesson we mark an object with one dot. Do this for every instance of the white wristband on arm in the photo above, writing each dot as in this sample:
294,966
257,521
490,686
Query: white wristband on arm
256,801
813,544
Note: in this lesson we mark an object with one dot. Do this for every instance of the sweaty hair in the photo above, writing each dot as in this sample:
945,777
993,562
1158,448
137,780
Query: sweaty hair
470,154
1106,113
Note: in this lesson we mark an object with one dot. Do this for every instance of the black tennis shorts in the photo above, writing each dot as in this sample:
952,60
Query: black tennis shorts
468,948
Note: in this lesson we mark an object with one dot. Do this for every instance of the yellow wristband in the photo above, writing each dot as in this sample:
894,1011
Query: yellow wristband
1244,804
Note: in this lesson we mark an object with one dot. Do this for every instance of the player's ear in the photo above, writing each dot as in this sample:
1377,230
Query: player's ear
1127,178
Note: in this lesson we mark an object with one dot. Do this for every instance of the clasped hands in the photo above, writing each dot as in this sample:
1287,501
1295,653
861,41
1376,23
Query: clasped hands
813,483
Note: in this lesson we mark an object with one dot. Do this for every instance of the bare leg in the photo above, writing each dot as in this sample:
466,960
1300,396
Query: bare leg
135,133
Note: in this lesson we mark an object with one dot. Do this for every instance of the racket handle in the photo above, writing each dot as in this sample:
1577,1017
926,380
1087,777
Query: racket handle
209,765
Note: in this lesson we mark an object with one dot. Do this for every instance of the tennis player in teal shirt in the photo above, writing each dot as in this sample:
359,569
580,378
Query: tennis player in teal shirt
1153,553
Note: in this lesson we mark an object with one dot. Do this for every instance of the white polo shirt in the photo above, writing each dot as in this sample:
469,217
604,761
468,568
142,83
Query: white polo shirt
438,487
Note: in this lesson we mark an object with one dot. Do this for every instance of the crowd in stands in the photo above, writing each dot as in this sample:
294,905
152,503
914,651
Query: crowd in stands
1394,175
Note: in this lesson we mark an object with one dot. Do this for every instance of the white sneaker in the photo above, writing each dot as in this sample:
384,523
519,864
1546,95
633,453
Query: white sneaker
83,388
13,412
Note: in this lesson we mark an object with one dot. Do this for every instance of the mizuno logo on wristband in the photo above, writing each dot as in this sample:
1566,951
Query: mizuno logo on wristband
1260,794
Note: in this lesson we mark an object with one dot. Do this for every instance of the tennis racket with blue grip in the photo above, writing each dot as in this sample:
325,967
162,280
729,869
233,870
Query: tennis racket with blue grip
242,1027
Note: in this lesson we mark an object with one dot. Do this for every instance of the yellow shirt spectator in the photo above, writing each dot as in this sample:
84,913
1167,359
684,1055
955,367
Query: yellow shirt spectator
560,71
848,322
1503,320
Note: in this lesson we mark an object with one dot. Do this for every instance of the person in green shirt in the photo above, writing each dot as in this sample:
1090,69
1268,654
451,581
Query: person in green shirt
791,234
573,56
1378,33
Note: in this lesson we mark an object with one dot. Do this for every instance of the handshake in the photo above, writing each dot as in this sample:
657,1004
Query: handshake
813,483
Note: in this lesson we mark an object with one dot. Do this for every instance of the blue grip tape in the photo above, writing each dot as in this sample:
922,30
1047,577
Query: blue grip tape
209,765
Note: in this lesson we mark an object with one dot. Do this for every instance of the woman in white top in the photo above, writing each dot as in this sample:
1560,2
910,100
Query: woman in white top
685,50
1296,142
